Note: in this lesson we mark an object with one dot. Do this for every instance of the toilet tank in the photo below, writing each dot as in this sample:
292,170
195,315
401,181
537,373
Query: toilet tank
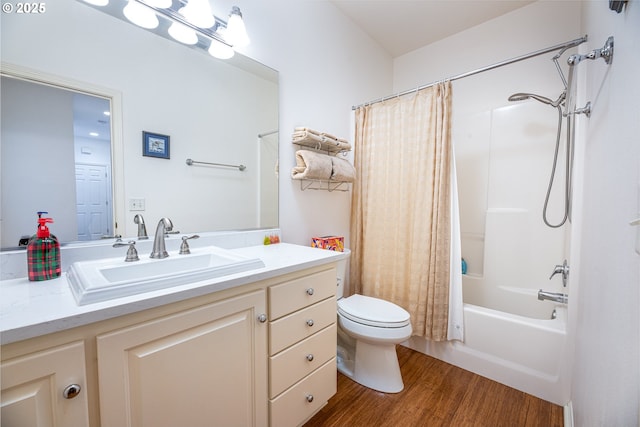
342,274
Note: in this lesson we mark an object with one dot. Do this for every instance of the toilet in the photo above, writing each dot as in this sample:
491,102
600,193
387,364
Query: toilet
368,331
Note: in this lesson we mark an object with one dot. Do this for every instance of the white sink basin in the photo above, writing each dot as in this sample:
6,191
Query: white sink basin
105,279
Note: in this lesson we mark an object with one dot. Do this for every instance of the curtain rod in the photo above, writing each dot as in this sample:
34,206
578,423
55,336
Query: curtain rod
565,45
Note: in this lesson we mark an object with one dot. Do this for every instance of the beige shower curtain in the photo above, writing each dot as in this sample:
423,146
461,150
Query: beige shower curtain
400,221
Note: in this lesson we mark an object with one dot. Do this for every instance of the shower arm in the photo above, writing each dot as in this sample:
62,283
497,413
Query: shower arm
605,52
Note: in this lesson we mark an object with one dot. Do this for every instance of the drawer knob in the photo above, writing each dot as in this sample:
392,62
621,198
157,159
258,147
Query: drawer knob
262,318
310,291
309,398
71,391
310,357
310,322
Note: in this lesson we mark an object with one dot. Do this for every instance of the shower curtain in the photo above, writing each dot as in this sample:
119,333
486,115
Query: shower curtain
402,210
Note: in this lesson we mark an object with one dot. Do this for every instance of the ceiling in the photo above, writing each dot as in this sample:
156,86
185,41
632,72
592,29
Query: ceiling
401,26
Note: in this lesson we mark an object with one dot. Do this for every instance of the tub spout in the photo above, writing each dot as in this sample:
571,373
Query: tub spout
553,296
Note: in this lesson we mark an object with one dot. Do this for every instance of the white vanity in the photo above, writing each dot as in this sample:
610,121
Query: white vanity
254,348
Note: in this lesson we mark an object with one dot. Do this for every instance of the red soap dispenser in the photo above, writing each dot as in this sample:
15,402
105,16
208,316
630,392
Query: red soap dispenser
43,252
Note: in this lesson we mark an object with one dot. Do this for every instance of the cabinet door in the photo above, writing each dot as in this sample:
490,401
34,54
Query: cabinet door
202,367
33,388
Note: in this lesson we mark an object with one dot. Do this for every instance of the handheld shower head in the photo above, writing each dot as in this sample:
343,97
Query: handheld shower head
524,96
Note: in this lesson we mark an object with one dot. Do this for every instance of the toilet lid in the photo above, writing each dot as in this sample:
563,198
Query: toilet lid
373,311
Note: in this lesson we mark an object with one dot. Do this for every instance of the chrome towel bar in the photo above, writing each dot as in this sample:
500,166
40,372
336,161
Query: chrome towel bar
191,162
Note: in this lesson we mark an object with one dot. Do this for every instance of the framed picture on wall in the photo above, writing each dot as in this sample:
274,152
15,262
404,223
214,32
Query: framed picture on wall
155,145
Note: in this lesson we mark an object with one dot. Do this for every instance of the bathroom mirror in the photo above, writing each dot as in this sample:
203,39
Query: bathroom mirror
212,111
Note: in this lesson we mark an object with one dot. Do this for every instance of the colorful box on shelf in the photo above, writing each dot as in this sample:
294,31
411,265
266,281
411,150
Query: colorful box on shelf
332,243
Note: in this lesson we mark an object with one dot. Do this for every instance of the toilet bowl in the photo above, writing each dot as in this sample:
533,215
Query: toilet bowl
368,331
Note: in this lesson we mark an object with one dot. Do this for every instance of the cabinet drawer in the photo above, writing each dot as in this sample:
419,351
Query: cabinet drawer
302,292
304,399
298,361
301,324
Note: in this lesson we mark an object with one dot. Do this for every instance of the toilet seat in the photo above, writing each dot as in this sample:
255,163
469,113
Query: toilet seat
373,312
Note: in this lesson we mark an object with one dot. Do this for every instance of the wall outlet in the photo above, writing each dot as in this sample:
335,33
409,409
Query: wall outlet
136,204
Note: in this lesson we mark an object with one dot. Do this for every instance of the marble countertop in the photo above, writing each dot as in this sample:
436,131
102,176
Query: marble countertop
31,309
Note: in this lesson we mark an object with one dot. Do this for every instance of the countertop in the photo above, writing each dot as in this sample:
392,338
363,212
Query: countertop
31,309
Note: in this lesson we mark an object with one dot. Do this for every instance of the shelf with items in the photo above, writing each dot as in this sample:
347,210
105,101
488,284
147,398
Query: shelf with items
319,165
321,184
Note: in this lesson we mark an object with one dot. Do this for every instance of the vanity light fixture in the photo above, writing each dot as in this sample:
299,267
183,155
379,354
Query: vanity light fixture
192,23
140,15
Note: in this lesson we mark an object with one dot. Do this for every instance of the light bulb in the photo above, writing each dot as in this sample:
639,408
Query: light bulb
98,2
220,50
236,32
140,15
198,12
183,34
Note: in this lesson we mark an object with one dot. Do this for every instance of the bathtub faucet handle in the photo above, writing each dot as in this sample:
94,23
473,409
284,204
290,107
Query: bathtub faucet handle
562,269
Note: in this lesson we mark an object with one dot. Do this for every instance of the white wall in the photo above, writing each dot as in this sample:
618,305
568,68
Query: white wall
606,324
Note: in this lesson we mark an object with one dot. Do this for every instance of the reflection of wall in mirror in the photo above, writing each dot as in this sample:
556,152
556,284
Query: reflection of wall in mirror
38,132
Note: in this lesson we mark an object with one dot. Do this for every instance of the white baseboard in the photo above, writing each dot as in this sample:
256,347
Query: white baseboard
568,415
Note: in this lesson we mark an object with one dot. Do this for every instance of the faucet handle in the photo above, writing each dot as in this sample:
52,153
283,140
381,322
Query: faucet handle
132,253
184,246
562,269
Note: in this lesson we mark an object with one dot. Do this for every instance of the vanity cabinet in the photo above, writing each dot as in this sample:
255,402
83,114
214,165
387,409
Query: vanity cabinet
200,367
45,388
258,354
302,347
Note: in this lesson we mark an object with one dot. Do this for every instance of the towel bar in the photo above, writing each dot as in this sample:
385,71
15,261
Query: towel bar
190,162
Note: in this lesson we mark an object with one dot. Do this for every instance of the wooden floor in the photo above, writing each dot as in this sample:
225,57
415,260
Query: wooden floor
435,394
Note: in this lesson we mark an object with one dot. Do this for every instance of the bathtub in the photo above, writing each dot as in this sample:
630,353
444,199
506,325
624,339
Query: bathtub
526,352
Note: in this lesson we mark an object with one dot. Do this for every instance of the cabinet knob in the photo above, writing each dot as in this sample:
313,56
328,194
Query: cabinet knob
310,291
71,391
262,318
309,398
310,322
310,357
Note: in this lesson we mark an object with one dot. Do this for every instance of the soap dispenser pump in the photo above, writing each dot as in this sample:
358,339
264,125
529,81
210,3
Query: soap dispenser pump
43,252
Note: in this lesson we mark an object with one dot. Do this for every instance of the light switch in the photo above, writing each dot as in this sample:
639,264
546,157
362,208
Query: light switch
136,204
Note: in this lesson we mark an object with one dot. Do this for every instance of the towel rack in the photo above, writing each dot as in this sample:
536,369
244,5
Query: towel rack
190,162
318,184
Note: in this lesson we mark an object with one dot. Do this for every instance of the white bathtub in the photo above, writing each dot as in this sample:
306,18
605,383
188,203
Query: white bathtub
525,353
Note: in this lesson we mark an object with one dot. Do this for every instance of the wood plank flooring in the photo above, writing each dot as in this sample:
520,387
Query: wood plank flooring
435,394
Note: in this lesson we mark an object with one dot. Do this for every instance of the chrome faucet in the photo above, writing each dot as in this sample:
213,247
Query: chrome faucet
142,229
561,269
159,248
553,296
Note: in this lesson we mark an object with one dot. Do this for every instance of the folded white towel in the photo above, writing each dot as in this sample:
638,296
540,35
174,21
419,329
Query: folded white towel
342,170
311,165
